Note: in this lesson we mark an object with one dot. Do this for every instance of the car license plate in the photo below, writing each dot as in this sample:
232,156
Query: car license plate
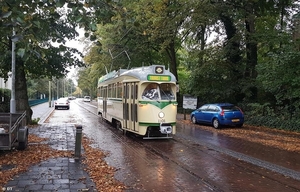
235,120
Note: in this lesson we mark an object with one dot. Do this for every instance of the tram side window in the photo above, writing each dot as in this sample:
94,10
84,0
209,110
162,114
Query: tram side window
119,90
127,91
109,91
104,92
131,92
113,95
151,92
115,91
101,92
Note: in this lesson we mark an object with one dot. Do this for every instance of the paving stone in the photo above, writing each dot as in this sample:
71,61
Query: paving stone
58,174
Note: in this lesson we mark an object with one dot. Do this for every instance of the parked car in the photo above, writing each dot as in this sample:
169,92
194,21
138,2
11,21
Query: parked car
72,98
218,114
87,99
62,103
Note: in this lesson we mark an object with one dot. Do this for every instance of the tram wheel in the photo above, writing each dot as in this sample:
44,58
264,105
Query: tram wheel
118,125
101,117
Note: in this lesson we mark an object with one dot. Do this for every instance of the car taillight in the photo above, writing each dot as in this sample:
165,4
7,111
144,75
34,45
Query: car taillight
222,113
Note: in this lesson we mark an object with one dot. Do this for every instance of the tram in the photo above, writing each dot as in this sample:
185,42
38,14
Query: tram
140,100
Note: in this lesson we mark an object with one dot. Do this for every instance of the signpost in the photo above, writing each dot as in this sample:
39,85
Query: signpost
189,102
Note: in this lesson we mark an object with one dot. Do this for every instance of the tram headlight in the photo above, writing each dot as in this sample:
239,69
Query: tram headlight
161,114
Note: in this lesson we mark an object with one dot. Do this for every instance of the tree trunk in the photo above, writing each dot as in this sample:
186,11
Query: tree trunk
22,103
251,51
232,45
251,46
233,54
172,55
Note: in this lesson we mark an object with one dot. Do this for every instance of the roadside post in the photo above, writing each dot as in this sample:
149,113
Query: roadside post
78,141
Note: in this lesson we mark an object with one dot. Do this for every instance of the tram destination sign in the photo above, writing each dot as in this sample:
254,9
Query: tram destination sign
159,78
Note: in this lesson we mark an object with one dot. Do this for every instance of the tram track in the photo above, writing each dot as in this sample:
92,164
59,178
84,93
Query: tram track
180,164
246,158
249,164
141,142
224,156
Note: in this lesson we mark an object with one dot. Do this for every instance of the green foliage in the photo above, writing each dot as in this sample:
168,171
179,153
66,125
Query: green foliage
40,31
268,115
211,79
87,81
272,122
35,121
59,88
283,63
36,33
253,58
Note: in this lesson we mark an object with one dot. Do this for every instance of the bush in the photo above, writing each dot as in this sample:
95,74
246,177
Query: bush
35,121
273,122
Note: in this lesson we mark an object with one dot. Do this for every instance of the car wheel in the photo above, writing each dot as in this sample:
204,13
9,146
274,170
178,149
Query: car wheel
194,119
216,123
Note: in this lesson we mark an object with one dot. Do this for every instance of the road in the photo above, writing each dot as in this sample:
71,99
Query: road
196,159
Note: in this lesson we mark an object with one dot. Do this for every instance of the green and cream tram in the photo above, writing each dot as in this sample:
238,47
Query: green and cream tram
140,100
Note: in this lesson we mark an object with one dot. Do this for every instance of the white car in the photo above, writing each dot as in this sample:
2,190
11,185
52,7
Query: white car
62,103
87,99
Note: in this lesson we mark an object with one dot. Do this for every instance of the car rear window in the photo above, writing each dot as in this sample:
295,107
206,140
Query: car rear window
230,108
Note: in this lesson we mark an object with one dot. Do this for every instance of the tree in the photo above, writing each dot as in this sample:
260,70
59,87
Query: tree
250,29
41,31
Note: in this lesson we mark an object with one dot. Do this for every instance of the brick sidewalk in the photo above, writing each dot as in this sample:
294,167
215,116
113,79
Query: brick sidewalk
62,174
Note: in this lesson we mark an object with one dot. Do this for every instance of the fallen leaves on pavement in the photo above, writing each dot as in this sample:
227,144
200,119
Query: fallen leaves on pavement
36,152
280,139
22,160
100,172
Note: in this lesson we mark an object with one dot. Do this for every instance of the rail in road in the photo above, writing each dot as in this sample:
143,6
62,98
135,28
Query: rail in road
186,163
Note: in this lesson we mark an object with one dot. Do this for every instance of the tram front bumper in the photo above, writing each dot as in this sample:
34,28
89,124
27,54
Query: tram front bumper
165,128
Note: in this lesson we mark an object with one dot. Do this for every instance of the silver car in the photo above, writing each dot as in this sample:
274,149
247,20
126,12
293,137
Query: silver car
86,99
62,103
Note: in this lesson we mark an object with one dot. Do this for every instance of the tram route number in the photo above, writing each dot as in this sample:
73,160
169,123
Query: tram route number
161,120
7,188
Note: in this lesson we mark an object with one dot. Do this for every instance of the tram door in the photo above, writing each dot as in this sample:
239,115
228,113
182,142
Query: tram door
104,113
130,106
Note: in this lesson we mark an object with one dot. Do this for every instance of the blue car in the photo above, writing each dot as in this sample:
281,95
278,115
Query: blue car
218,114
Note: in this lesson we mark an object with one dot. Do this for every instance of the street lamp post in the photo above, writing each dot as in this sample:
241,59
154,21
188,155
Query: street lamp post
13,77
50,96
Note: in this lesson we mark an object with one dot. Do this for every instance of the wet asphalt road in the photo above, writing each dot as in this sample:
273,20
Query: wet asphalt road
195,160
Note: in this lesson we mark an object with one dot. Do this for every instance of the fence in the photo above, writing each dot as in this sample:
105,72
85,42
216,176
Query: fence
37,101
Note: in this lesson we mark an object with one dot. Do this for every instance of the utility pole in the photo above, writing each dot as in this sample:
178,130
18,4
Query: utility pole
50,93
13,77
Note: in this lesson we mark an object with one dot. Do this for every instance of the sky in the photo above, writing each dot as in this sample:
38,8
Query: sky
80,47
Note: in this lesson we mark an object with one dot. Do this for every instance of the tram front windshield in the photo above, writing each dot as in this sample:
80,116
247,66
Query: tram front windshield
156,91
